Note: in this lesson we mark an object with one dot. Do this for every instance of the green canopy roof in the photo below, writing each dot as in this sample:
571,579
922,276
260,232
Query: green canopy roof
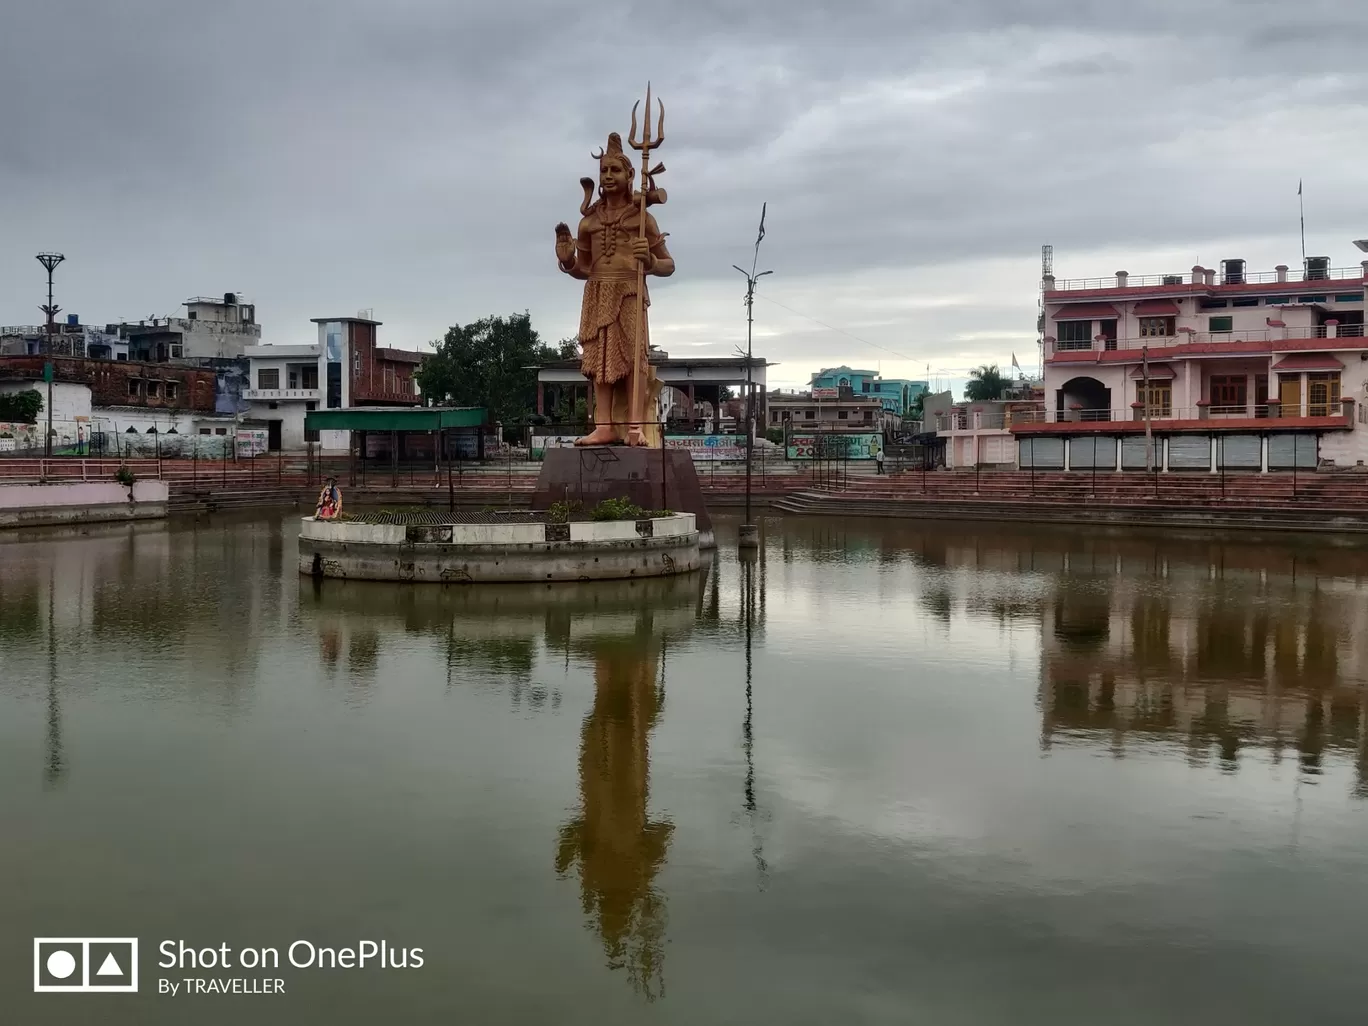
395,418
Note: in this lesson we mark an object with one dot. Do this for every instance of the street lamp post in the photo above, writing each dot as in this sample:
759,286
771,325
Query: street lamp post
49,261
749,535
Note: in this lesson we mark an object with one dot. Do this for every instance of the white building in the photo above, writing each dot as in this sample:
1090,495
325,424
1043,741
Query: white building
344,368
212,328
1232,369
283,386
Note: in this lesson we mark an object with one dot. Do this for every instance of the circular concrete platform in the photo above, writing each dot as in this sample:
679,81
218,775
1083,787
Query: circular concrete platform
468,548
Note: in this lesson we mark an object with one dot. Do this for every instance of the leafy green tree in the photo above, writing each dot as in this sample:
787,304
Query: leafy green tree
567,349
21,407
985,383
490,363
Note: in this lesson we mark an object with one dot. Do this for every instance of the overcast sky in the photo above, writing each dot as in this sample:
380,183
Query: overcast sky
413,157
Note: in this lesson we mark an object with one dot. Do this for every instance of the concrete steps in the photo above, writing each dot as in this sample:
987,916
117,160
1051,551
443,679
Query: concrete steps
1289,518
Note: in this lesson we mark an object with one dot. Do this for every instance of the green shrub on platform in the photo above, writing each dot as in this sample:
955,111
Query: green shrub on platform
124,475
625,509
561,512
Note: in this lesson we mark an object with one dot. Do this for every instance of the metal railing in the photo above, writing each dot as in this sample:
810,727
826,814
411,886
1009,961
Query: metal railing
1187,338
1185,278
281,393
979,421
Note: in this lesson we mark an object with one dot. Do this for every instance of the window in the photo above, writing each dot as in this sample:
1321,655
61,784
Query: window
268,378
1311,299
172,389
308,377
153,389
844,415
869,414
1277,300
864,387
134,387
311,434
1075,335
1323,393
1247,301
1159,400
220,431
1261,395
1350,297
809,414
1214,304
1229,393
194,316
204,431
1220,324
294,378
1157,327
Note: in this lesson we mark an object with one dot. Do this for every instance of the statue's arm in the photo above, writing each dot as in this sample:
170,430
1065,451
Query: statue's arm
664,264
584,254
574,260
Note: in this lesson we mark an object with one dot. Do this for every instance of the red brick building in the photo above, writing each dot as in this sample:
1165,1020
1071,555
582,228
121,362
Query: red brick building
162,386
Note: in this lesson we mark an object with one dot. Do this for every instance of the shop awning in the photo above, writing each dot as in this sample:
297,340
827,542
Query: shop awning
395,418
1156,308
1309,362
1085,312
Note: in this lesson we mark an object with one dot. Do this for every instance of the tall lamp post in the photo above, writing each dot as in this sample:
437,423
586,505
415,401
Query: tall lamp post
49,261
750,535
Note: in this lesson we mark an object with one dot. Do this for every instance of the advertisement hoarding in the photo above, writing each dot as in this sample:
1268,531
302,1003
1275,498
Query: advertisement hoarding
834,445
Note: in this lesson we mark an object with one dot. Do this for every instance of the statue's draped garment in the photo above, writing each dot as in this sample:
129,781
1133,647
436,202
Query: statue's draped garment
608,317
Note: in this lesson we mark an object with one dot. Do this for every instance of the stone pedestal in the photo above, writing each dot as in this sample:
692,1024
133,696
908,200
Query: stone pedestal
651,478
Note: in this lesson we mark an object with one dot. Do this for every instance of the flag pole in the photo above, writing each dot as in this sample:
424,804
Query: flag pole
1301,205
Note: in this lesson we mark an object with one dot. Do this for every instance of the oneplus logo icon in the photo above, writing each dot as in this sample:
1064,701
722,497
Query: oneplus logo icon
85,965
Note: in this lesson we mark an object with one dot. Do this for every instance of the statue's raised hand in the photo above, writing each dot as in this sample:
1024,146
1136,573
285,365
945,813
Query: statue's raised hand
565,246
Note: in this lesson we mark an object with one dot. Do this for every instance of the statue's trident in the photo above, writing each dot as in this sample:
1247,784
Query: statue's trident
645,144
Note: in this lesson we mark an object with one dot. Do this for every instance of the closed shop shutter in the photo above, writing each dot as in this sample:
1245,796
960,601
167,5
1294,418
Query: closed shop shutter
1239,452
1189,452
1133,452
995,449
1042,453
1086,453
1288,450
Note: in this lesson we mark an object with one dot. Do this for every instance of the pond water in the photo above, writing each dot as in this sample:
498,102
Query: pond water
883,773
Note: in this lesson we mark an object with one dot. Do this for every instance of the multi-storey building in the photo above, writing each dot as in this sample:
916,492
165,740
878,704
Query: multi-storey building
896,395
344,368
212,329
1225,368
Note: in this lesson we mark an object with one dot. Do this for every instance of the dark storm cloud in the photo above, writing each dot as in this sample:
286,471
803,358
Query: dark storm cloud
412,156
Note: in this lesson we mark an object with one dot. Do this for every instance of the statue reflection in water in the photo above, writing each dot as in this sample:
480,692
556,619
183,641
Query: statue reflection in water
614,843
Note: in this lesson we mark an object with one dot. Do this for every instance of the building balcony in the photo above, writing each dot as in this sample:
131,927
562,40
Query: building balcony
969,421
1254,339
275,395
380,396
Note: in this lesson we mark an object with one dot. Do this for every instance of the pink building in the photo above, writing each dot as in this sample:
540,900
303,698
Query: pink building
1235,370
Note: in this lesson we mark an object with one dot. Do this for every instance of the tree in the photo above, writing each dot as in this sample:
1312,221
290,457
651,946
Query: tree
985,383
490,363
567,348
21,407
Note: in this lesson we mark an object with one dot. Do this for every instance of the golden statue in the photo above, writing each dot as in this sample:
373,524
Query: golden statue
618,244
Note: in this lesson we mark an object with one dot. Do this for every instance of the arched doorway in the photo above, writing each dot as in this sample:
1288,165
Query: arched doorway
1091,396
